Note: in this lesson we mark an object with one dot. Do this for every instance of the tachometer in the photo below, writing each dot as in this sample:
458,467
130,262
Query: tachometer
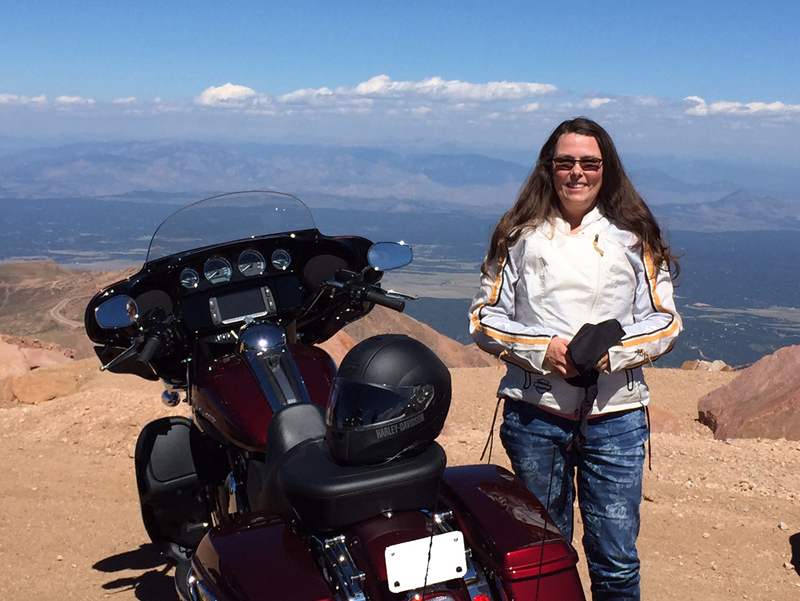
217,270
190,278
251,263
281,259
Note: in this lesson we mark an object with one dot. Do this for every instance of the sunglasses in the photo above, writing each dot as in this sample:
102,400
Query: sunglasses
586,163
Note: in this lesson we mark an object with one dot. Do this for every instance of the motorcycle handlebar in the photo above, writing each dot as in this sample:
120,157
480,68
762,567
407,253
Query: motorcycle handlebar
149,350
379,298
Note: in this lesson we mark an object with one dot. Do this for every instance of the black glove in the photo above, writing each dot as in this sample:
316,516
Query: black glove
586,349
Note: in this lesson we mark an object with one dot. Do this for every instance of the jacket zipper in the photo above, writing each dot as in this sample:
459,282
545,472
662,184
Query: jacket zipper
598,284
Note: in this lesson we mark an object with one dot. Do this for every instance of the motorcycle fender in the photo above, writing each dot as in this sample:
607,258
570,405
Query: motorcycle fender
174,509
257,556
510,531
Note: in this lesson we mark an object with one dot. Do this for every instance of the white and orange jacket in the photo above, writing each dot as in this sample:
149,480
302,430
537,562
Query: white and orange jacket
551,284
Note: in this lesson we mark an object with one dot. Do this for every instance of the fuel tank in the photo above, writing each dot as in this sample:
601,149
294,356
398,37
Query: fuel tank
230,404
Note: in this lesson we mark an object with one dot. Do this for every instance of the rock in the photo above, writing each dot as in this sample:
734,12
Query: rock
12,361
12,364
50,383
699,365
39,357
337,346
663,421
763,401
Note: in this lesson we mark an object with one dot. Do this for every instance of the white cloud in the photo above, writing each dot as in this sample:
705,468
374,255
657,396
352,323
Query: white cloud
74,101
230,95
21,100
646,101
126,100
454,90
422,110
723,107
529,108
10,99
306,94
595,103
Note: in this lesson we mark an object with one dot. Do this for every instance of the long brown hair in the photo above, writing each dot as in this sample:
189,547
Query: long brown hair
538,201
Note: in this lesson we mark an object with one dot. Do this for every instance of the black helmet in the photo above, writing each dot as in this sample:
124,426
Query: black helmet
390,398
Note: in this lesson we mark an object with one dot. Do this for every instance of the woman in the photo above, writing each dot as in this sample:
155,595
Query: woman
579,247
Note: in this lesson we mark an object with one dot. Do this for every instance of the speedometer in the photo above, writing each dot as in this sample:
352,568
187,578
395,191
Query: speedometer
251,263
217,270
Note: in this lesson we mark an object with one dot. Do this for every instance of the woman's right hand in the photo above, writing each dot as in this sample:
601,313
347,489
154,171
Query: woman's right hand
558,360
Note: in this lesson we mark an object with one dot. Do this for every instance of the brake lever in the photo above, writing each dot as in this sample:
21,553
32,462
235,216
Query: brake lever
131,351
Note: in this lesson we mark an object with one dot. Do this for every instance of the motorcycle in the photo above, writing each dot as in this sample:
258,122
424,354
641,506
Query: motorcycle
248,497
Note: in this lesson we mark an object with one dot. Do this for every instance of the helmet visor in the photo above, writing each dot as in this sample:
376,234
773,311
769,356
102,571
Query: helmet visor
355,403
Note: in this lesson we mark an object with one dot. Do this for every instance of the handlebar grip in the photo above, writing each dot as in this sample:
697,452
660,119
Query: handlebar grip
150,347
380,298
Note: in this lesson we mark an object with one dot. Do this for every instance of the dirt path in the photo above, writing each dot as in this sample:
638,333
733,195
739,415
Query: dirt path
55,313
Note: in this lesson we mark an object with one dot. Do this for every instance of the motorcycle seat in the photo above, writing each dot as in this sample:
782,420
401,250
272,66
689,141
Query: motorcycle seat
289,427
326,496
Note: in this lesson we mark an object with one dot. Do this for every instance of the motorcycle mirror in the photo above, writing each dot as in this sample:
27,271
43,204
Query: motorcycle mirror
384,256
117,312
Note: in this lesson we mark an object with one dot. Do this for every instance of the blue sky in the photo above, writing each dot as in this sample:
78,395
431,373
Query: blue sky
717,78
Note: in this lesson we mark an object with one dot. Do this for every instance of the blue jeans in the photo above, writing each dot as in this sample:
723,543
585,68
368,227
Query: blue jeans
609,481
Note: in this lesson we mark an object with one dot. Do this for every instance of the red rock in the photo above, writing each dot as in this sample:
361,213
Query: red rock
38,357
53,382
12,365
763,401
337,346
12,361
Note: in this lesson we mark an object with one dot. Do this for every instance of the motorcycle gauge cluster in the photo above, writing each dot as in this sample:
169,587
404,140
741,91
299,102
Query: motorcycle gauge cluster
217,270
251,263
190,278
281,259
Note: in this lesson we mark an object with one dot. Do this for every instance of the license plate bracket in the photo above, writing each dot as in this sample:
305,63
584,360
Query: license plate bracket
408,567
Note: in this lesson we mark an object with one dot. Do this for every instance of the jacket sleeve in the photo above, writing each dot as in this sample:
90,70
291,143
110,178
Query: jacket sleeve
492,318
656,323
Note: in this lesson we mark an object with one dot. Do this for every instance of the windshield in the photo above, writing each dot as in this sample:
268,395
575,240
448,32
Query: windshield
227,218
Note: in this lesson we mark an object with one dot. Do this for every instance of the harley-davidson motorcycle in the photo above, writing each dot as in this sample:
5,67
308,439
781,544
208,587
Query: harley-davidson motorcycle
295,480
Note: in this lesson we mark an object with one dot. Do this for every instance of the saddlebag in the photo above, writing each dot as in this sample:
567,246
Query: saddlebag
511,533
327,496
174,510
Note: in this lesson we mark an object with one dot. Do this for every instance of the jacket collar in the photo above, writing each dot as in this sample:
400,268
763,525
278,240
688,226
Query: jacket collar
592,217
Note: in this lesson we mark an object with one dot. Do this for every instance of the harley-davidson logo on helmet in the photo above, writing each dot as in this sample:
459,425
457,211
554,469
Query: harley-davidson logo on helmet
399,427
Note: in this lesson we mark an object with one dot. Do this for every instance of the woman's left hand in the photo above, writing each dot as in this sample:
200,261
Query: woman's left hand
603,364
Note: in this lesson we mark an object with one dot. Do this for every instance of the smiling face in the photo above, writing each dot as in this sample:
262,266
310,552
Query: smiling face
577,189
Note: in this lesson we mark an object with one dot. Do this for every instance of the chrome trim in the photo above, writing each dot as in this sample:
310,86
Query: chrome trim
197,591
265,348
170,399
237,495
474,579
343,574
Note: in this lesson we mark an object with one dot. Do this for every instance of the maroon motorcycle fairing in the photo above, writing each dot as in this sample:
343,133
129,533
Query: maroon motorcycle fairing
227,397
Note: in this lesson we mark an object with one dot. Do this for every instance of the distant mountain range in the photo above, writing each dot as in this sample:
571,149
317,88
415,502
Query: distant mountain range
176,172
